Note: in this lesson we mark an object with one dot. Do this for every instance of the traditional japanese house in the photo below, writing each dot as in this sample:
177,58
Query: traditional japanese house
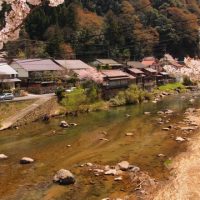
38,75
150,78
152,62
138,74
8,77
117,79
107,64
114,81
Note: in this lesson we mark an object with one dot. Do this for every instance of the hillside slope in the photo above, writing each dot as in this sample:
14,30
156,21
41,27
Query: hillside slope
111,28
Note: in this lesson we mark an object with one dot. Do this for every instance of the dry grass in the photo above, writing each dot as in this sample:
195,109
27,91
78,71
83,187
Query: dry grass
10,108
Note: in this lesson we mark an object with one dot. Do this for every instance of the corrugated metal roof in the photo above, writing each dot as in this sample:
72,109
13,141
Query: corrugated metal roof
38,65
108,62
136,64
73,64
5,69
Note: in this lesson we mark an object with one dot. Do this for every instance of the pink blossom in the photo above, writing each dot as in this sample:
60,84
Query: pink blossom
20,9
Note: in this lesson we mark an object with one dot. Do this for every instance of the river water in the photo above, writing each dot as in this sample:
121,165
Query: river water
50,151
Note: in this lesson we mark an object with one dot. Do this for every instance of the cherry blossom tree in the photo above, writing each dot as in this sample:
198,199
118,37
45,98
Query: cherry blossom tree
191,68
14,19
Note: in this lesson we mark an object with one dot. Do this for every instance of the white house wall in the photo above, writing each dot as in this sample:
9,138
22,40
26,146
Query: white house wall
21,72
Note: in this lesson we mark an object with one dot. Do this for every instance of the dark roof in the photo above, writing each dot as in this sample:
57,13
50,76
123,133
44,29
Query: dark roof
150,70
110,62
116,74
136,64
135,71
38,65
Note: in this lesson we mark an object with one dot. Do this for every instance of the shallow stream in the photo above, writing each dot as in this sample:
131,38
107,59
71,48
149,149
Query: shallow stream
50,151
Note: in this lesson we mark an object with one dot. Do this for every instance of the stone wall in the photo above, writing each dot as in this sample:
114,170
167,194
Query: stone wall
50,107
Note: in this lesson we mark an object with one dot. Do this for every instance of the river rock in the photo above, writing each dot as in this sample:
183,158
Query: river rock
160,113
133,168
168,112
3,156
124,165
73,124
26,160
104,139
64,177
107,167
166,129
191,100
118,178
99,170
89,164
147,113
64,124
111,172
161,155
188,128
180,139
129,134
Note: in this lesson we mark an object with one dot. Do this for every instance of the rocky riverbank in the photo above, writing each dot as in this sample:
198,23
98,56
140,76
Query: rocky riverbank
185,175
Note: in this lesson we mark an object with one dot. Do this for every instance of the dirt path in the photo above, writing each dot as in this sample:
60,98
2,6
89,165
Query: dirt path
13,119
185,182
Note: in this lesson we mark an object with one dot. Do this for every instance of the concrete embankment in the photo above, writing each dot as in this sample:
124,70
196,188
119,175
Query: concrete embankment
44,106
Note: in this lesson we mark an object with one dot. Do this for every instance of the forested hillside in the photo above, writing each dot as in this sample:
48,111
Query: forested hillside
120,29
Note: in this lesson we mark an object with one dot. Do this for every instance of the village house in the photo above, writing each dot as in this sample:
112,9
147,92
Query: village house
107,64
114,81
117,79
145,76
135,64
8,77
80,70
153,63
150,79
38,75
138,74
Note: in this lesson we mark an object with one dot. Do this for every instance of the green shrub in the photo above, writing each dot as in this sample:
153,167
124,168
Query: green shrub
60,93
132,95
74,100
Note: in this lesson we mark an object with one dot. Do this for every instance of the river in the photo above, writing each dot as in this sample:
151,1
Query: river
50,151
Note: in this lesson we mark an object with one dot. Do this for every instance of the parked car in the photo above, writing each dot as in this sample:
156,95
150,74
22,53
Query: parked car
6,96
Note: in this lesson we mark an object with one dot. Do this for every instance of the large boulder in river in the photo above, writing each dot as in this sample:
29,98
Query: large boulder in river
26,160
3,157
124,165
64,177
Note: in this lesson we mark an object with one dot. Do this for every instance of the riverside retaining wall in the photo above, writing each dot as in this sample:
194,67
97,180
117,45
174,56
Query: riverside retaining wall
49,107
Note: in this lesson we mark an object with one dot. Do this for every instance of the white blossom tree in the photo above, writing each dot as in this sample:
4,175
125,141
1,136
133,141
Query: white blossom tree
14,19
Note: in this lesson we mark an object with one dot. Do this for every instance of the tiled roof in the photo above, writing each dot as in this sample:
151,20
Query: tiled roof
73,64
108,62
150,58
135,71
5,69
148,62
114,73
150,70
38,65
135,64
